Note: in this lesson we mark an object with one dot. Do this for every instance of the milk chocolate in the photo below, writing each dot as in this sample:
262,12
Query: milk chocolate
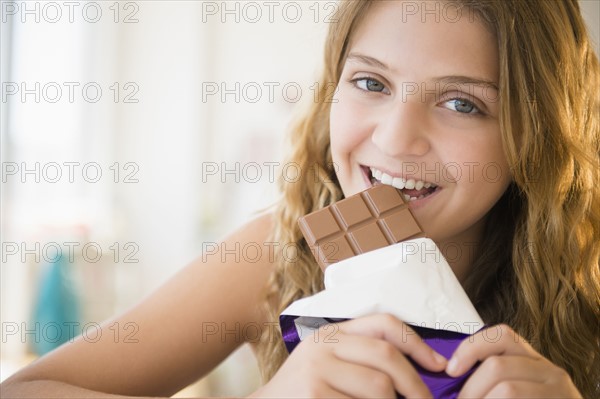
366,221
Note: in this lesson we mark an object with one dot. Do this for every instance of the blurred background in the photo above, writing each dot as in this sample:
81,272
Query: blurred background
134,135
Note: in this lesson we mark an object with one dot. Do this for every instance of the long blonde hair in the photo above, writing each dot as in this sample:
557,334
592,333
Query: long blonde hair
538,268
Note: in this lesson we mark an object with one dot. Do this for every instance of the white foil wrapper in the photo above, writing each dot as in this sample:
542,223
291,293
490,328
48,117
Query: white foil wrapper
410,280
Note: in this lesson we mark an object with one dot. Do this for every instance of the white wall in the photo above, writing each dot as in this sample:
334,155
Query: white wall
591,12
168,137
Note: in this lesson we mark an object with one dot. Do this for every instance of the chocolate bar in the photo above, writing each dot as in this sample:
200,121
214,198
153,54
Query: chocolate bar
372,219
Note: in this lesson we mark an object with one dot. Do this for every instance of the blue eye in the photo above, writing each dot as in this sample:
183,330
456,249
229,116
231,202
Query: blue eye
368,84
462,106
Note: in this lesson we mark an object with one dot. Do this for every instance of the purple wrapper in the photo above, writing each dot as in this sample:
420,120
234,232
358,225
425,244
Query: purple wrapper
444,342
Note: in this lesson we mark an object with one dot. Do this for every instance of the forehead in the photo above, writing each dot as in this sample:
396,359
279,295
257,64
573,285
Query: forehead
427,38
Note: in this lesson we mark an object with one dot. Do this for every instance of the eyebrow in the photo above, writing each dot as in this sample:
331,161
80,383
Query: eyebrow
465,80
451,79
365,59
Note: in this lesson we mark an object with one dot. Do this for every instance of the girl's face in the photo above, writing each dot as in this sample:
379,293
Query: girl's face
417,107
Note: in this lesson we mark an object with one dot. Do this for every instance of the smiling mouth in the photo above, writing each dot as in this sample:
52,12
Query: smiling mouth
412,189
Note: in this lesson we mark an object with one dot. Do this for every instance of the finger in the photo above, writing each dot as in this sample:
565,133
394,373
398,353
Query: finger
384,357
329,392
519,389
359,381
496,369
493,341
324,392
399,334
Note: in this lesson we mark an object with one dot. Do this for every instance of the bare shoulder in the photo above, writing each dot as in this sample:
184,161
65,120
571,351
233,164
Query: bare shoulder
180,331
226,281
241,263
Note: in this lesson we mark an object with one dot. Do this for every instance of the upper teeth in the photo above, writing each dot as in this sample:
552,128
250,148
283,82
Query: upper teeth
399,182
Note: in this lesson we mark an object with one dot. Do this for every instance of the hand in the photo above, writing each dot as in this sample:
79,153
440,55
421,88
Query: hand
510,368
364,358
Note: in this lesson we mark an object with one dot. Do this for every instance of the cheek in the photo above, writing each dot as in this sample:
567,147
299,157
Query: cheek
347,127
485,174
478,160
494,169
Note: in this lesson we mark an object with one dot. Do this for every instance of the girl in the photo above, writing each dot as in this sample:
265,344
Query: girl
486,114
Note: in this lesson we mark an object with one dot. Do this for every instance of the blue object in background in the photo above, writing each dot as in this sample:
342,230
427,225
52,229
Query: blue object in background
56,311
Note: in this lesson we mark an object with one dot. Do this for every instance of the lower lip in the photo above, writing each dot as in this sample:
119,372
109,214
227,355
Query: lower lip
419,203
415,204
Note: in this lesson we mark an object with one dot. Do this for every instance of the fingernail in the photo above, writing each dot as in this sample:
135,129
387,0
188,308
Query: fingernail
452,367
439,358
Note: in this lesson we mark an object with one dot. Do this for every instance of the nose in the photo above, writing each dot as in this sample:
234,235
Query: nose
401,130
